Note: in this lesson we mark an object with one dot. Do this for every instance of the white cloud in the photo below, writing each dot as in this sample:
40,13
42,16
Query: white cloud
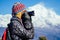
43,15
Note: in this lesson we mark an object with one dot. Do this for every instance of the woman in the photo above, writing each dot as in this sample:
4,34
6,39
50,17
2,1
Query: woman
20,26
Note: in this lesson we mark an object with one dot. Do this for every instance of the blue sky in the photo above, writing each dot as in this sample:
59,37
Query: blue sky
6,5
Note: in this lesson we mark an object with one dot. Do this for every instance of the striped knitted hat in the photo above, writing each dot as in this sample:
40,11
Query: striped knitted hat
17,7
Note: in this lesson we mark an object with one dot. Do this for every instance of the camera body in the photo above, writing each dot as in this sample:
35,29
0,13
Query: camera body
31,13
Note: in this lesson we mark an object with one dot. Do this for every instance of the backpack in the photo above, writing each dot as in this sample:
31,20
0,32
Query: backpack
6,35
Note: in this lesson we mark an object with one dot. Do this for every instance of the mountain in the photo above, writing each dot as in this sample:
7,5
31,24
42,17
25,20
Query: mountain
4,20
43,16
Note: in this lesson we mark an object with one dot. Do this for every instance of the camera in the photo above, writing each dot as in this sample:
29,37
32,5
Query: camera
31,13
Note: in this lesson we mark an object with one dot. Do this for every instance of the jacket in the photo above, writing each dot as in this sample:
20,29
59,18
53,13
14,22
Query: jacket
18,31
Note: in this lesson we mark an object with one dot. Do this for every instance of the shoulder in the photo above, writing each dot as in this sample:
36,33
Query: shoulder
14,20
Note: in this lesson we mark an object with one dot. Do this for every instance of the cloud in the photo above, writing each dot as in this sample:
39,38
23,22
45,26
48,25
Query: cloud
43,16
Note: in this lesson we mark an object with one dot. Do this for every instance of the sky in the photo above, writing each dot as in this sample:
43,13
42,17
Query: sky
6,5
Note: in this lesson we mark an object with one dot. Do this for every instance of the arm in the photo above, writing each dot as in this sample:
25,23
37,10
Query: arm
19,30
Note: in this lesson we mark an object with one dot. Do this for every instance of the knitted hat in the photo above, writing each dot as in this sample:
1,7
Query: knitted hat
17,7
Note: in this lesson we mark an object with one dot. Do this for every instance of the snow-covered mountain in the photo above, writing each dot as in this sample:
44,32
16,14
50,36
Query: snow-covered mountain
4,20
46,22
43,16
